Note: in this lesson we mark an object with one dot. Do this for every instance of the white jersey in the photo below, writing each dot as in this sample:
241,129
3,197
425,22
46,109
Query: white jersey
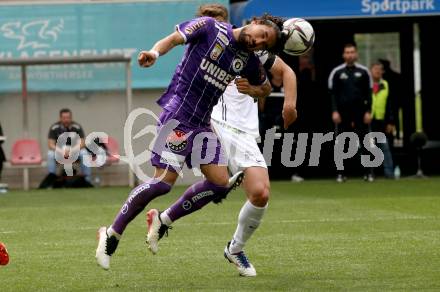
238,110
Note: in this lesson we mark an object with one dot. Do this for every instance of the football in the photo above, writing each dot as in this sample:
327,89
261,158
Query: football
300,36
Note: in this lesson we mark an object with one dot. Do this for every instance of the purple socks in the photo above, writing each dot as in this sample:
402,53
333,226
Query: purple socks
195,197
137,200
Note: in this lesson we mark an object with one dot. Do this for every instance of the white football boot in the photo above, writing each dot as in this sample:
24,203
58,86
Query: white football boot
233,183
241,262
155,230
235,180
106,247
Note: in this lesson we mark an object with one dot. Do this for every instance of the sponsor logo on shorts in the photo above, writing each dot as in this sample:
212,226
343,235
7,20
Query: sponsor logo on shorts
172,159
176,141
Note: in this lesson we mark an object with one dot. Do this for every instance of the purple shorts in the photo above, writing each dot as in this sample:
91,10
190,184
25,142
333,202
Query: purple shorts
176,145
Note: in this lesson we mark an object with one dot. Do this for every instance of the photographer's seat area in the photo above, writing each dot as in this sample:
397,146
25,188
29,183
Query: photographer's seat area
26,168
26,153
77,175
61,179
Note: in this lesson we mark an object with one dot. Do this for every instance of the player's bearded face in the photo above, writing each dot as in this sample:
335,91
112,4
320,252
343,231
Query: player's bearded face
255,37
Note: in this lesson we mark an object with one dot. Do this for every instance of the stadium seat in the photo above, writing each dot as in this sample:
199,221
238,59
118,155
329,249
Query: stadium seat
112,151
26,153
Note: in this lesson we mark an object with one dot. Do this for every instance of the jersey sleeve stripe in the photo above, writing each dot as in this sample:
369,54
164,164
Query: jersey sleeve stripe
368,73
181,33
332,74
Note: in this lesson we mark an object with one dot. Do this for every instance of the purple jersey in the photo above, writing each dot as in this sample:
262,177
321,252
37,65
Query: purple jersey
211,61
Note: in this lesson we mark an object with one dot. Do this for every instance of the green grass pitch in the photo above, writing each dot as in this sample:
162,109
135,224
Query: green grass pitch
316,236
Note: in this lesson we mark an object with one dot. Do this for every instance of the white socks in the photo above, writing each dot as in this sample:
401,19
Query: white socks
110,231
248,221
165,219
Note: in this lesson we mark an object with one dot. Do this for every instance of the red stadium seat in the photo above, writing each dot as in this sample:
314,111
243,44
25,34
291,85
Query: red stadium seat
112,151
26,153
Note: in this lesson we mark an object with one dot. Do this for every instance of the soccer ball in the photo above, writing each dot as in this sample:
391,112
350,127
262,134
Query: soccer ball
300,36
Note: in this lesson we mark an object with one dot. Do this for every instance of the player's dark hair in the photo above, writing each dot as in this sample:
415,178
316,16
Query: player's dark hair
277,23
65,110
213,10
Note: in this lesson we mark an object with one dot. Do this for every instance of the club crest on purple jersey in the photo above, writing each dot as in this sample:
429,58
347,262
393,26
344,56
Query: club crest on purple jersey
177,141
216,52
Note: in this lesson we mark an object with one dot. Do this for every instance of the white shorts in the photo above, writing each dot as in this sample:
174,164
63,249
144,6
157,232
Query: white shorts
241,148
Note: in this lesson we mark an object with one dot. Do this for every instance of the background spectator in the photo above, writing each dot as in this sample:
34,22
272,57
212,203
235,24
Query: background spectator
350,89
394,80
382,115
66,124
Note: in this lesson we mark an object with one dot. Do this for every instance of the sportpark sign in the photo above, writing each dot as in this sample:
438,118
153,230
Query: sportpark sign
324,9
89,29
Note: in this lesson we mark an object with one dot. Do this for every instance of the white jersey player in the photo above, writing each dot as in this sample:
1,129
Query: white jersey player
235,121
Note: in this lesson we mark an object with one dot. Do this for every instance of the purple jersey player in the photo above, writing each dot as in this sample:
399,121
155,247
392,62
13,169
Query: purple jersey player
215,54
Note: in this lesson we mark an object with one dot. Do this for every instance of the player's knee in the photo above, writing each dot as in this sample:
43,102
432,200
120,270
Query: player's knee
260,195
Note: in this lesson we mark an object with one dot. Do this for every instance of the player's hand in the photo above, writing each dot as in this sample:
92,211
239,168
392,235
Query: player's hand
367,118
389,129
146,59
289,115
243,86
336,117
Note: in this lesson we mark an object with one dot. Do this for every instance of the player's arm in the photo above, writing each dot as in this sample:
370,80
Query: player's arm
368,85
367,93
283,75
254,80
332,86
82,137
256,91
147,58
51,143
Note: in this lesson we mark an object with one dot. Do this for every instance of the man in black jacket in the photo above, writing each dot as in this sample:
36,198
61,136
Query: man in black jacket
350,88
